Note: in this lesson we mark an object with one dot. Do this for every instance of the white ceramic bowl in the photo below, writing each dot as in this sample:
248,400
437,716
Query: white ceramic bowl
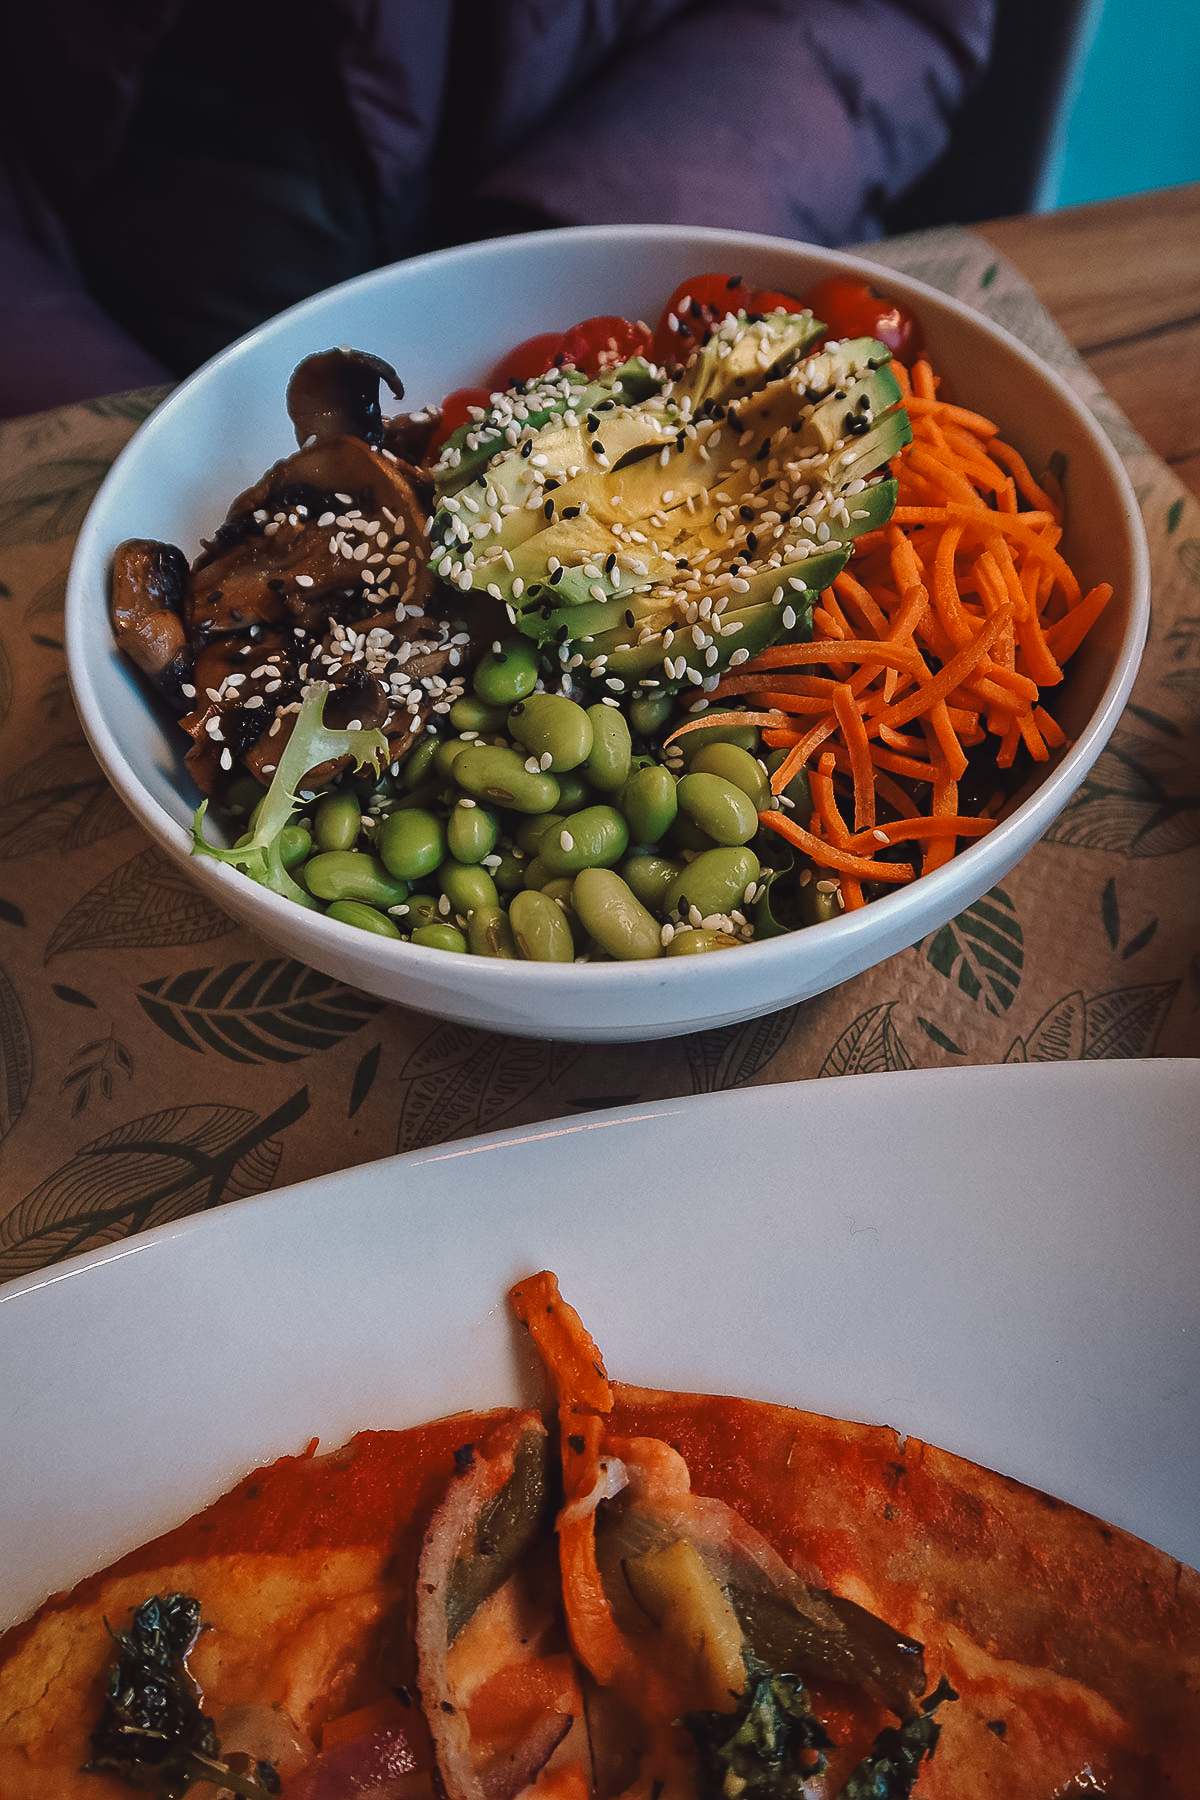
442,321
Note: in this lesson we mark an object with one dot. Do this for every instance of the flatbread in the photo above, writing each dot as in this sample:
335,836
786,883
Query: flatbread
1074,1648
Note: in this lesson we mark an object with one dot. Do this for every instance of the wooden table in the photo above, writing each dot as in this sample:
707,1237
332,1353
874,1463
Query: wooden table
1122,280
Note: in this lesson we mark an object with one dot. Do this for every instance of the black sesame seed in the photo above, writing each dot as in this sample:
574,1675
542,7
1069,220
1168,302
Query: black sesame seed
556,575
745,512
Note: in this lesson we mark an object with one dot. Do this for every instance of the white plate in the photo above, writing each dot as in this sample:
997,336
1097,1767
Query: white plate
1002,1261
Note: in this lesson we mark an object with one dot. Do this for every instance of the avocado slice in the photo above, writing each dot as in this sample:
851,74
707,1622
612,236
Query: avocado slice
647,545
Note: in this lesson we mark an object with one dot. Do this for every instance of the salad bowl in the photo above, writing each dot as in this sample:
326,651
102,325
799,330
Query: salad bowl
442,321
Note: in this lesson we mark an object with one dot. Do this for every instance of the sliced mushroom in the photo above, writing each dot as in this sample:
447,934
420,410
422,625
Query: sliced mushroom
336,393
149,593
274,559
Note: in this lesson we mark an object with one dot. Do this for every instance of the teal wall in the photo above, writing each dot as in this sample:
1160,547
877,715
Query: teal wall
1131,120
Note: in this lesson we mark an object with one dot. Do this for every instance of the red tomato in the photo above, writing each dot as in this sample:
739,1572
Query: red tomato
455,412
693,309
526,360
853,309
602,343
699,304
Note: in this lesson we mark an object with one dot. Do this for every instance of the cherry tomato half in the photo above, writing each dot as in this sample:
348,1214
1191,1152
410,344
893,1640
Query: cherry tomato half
526,361
853,309
455,412
699,304
602,343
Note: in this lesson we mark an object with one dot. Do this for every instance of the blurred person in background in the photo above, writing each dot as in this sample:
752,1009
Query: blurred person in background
172,172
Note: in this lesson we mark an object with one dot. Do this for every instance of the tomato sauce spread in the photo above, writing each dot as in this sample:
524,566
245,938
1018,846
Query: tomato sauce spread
1074,1649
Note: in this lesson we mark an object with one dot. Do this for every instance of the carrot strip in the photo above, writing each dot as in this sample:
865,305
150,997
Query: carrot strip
855,737
830,857
899,831
918,406
1019,468
948,678
1065,636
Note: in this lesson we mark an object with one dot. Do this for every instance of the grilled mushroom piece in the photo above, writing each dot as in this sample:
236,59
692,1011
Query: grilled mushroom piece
336,394
149,596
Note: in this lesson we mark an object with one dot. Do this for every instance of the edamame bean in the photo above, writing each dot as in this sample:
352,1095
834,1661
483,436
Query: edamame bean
529,832
337,820
717,807
649,876
734,764
494,773
536,874
692,741
439,937
509,872
540,928
419,909
490,934
411,842
507,672
353,875
615,917
554,729
715,882
695,940
594,838
447,752
684,834
573,790
649,804
648,713
560,888
472,832
363,917
612,747
470,713
466,885
820,898
243,795
419,764
294,845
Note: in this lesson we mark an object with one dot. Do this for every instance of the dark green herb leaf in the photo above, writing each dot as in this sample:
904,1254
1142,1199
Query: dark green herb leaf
153,1732
889,1771
775,1743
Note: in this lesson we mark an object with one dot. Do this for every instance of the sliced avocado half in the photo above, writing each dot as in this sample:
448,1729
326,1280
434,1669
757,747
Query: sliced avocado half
649,546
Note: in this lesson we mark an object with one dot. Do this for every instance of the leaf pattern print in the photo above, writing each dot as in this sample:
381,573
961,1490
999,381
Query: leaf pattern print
868,1046
982,951
462,1081
96,1063
135,405
59,801
6,684
147,903
1126,1022
16,1056
50,500
49,599
160,1167
732,1055
274,1011
1142,798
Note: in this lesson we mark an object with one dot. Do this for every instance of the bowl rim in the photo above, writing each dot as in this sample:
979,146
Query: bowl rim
1025,824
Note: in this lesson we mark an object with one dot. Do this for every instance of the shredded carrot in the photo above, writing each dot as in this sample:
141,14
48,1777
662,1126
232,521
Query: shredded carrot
949,620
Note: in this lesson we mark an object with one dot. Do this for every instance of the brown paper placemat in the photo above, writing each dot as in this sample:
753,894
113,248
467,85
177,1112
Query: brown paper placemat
156,1058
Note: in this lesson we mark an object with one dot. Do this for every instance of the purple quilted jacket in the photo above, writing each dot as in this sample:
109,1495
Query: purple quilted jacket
794,117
